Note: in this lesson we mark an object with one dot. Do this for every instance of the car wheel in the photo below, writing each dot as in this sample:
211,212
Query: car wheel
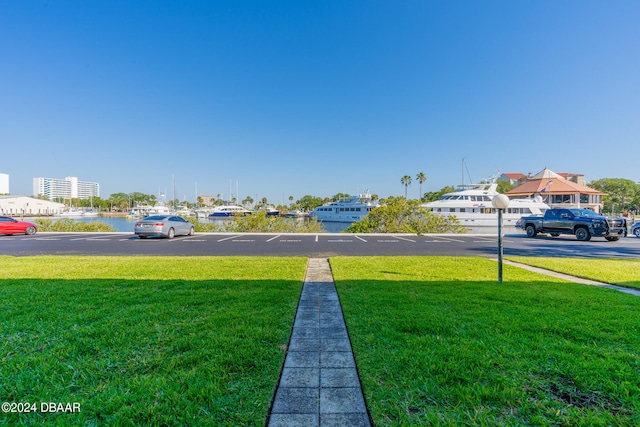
531,231
192,231
171,234
637,232
30,230
612,238
583,234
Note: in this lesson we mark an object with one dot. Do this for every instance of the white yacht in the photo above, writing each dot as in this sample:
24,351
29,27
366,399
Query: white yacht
226,211
143,211
89,213
350,209
184,211
71,213
204,212
471,204
159,210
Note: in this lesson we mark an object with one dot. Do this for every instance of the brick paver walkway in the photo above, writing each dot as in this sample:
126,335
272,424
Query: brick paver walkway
319,385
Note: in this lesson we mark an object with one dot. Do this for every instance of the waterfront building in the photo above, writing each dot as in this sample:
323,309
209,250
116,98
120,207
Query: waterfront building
22,205
4,183
559,191
68,188
514,178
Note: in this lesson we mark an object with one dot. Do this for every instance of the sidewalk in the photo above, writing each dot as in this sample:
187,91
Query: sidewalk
574,279
319,385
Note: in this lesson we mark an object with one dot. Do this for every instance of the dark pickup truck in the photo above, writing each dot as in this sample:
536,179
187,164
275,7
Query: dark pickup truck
584,223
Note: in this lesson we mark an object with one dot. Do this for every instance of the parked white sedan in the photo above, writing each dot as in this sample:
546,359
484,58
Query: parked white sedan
163,226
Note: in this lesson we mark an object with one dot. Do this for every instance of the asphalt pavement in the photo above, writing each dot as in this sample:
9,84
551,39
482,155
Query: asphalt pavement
314,245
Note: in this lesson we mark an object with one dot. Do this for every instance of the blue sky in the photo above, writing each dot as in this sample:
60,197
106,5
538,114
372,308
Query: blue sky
287,98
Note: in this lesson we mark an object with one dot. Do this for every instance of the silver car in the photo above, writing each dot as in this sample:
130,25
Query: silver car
164,226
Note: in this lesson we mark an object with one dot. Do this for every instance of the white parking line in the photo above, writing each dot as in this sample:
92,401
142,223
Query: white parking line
290,241
402,238
388,241
273,238
450,240
492,240
316,238
486,239
181,239
243,240
229,238
360,238
339,241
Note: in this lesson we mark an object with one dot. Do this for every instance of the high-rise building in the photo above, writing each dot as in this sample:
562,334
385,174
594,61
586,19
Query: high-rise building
68,188
4,183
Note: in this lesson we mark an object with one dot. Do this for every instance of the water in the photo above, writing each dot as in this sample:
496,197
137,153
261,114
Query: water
123,224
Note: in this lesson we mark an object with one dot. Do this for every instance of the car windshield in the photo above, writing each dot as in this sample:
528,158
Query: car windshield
155,218
584,212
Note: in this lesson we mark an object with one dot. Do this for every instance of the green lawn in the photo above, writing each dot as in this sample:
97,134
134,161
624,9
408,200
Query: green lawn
439,342
200,340
145,340
623,272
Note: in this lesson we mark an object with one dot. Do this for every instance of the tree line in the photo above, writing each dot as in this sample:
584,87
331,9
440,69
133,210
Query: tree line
620,195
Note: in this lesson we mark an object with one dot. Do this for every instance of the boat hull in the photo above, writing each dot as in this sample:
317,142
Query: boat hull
338,218
228,214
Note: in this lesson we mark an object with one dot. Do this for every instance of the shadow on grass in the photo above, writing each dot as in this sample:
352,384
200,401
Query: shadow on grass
446,352
142,352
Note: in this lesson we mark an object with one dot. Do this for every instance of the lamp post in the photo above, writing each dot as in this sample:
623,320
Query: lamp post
500,202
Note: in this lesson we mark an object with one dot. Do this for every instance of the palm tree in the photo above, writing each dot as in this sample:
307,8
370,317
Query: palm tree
406,181
421,178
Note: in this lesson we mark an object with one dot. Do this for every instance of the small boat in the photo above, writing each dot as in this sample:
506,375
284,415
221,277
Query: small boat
295,214
90,213
227,211
203,212
184,211
271,211
350,209
143,211
158,210
71,213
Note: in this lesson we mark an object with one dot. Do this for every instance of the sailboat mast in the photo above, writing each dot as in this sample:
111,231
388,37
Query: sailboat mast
173,189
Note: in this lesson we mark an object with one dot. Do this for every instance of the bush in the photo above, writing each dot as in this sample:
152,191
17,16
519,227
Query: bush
259,222
68,224
399,215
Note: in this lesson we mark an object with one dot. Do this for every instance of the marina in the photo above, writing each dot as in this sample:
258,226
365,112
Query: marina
127,223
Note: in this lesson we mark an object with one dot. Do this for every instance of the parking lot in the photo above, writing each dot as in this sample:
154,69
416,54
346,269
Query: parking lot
321,244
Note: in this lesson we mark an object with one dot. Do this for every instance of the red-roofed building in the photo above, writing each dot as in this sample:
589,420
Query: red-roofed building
559,192
513,178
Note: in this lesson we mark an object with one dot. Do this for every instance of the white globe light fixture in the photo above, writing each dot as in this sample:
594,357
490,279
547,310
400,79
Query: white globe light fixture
500,203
